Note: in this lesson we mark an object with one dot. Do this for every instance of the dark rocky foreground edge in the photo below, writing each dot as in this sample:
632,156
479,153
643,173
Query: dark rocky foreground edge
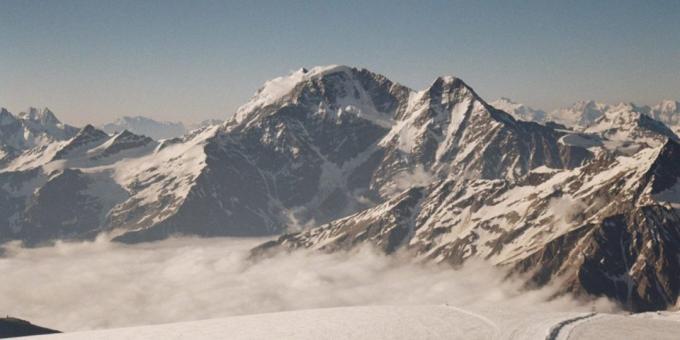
12,327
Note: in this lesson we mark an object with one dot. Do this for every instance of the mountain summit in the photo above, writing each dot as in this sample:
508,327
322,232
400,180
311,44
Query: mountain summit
29,129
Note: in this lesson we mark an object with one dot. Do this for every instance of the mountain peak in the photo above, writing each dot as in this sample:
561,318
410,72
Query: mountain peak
138,119
30,113
519,110
6,117
45,116
667,106
588,105
448,81
127,135
582,113
627,121
123,141
450,89
87,135
278,88
90,131
328,90
630,106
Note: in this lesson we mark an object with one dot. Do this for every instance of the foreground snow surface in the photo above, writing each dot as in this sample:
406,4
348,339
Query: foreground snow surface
404,322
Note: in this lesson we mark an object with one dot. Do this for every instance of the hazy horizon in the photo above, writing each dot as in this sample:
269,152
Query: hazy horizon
94,61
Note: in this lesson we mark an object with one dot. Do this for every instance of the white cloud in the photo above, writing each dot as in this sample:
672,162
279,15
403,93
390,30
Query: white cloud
407,179
566,209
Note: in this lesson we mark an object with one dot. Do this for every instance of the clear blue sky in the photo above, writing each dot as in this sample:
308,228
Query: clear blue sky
94,60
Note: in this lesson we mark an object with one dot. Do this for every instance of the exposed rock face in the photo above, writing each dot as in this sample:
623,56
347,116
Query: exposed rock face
630,257
13,327
60,208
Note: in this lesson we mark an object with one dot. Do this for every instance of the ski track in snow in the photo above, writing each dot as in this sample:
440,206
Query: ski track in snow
555,331
491,323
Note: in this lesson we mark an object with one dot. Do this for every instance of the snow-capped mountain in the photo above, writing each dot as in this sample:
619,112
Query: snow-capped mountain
29,129
308,148
437,172
581,114
627,124
668,112
520,111
147,127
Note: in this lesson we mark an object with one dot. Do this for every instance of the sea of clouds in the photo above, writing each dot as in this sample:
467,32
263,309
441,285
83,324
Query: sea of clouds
99,284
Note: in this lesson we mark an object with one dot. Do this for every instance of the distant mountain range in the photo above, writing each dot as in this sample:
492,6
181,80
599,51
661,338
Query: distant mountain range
154,129
584,113
336,157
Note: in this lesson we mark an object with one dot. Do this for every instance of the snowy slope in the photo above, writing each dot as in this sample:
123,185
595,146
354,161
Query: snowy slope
404,322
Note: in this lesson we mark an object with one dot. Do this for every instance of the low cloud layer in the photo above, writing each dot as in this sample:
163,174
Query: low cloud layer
77,286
